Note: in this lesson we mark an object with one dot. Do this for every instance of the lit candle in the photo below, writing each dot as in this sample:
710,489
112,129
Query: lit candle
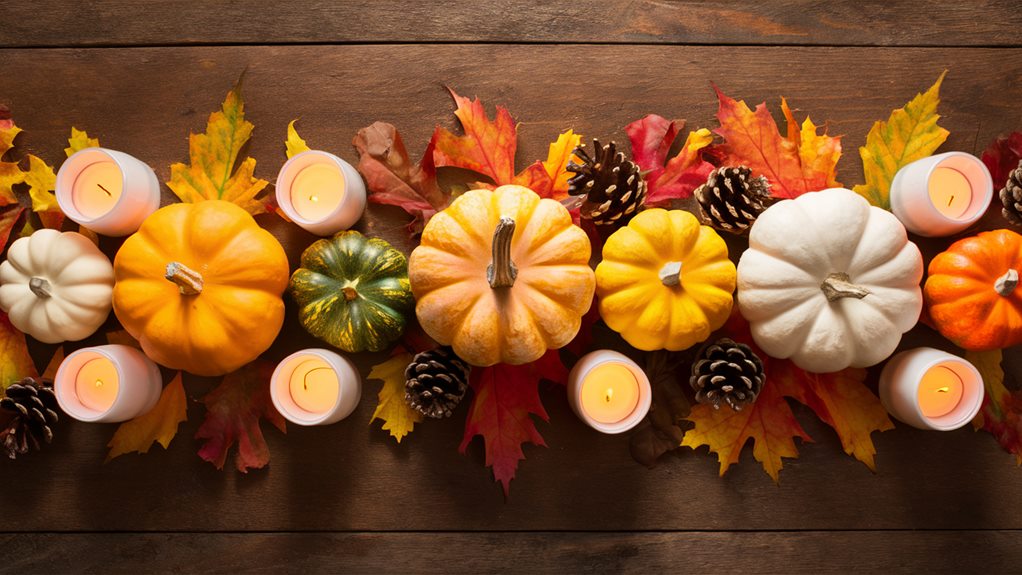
931,389
109,383
609,392
107,191
315,387
941,195
321,192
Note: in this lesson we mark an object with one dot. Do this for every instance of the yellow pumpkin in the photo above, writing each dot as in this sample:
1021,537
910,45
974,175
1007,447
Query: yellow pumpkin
665,281
502,276
199,286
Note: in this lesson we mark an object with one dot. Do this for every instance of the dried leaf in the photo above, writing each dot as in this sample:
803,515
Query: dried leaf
391,177
665,425
15,363
804,161
1002,157
78,141
41,182
397,416
294,143
504,398
233,411
911,133
651,139
40,179
488,147
549,178
1001,409
158,425
211,173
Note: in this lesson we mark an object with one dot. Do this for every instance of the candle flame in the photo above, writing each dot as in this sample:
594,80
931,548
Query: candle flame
944,389
314,198
99,383
610,394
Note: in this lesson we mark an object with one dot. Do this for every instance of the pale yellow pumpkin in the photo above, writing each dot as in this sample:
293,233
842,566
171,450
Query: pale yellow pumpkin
665,281
502,276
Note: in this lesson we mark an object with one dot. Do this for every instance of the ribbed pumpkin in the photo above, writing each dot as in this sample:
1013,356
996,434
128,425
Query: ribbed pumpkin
352,292
502,276
972,294
199,286
665,281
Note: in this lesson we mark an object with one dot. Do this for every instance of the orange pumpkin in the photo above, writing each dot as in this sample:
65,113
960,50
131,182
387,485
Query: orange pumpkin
199,286
971,291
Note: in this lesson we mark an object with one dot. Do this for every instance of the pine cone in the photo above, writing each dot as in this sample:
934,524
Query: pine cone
436,381
33,405
613,187
1011,197
727,371
731,199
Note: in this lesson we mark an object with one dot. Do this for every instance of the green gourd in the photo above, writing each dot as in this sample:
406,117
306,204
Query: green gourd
353,292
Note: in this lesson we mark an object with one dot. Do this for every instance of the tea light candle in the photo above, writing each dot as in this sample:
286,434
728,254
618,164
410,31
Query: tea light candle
321,192
109,383
107,191
931,389
315,387
941,195
609,392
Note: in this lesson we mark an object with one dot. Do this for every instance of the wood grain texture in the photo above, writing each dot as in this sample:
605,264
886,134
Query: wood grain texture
351,476
798,22
499,552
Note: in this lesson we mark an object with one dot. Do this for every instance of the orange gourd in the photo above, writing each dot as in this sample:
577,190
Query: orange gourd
972,294
199,286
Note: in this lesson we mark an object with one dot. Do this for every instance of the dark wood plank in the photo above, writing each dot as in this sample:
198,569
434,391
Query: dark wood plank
500,552
351,477
797,22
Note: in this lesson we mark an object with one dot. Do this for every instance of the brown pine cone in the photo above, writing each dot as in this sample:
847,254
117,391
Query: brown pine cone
731,199
33,409
1011,197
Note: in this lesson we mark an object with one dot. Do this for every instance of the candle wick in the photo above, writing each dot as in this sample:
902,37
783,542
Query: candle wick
951,199
104,189
305,379
610,394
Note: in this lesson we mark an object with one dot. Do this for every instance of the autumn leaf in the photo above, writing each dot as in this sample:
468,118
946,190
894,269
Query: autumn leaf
504,398
78,141
1002,157
397,416
549,178
211,173
15,363
233,411
1001,409
393,179
802,161
911,133
158,425
294,143
651,139
39,178
664,428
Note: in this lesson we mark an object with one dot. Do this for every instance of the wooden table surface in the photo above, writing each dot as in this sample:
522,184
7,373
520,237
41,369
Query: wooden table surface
141,75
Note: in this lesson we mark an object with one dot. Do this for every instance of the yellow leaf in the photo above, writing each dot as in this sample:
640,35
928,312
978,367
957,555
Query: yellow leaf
398,418
989,365
911,133
10,173
294,143
78,141
213,155
158,425
818,153
557,160
15,363
41,182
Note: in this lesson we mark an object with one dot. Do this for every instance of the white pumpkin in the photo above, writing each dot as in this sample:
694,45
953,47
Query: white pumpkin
829,281
56,286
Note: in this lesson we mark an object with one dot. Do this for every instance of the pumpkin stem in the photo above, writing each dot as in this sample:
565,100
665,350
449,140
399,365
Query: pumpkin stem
349,293
838,285
670,274
1006,283
502,271
40,287
187,279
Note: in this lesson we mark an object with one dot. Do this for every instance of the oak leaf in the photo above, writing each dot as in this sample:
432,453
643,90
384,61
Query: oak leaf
1002,157
802,161
909,134
504,397
158,425
15,363
233,411
397,416
651,139
213,172
294,144
1001,412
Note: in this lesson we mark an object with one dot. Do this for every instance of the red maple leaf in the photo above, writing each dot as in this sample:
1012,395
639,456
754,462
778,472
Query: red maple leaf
233,411
1002,157
651,139
504,398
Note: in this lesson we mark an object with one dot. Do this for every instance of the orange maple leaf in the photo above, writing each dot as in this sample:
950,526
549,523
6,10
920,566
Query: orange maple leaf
841,400
804,161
